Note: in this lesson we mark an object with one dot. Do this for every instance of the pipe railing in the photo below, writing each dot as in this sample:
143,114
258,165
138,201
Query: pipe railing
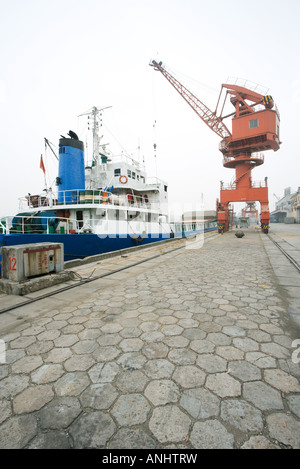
253,185
74,197
26,224
254,156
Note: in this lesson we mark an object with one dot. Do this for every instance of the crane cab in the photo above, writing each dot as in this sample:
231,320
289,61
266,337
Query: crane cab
256,132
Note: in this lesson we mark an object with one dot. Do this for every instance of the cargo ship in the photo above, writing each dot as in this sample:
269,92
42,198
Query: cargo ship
108,205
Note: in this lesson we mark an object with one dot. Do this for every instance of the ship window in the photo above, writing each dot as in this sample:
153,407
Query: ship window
79,218
165,188
133,175
129,173
253,123
117,172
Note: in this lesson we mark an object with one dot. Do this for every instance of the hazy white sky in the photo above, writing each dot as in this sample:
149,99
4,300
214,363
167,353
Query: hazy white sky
60,58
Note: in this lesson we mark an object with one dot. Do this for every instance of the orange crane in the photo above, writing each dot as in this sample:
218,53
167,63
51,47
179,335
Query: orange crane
255,128
250,209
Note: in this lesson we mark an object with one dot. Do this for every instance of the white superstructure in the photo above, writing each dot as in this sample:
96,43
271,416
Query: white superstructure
119,199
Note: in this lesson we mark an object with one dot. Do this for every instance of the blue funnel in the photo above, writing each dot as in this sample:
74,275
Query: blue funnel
71,178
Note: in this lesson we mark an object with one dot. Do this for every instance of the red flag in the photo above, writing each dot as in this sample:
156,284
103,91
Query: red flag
42,165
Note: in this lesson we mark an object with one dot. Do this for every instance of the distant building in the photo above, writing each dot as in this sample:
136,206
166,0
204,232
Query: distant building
202,215
295,206
283,207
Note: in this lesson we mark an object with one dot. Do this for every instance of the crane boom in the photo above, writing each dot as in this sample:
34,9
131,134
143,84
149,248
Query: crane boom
209,117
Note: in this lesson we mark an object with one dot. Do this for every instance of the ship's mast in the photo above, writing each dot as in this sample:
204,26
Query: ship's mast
94,117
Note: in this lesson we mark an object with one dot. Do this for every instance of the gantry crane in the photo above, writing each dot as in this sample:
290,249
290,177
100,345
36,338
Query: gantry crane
250,209
255,128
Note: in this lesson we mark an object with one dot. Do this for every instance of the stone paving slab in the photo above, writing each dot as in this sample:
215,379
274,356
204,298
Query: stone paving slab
286,274
191,350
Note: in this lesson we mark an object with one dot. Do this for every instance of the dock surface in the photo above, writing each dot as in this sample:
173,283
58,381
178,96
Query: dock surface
181,346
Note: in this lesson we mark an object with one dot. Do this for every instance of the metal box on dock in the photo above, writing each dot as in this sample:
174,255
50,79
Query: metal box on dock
23,261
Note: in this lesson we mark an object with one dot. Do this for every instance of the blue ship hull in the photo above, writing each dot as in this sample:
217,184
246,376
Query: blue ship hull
79,246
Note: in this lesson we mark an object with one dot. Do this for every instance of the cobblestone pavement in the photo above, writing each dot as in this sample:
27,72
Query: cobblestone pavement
191,350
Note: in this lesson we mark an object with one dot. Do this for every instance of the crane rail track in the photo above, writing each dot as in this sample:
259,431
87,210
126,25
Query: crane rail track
82,281
286,254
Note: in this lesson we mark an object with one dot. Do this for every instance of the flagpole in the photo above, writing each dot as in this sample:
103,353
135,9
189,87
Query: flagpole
44,171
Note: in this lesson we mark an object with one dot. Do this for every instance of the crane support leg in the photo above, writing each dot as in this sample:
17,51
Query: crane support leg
251,194
223,213
264,215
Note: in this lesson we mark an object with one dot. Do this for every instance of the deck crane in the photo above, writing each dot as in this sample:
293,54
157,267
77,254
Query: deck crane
50,145
255,128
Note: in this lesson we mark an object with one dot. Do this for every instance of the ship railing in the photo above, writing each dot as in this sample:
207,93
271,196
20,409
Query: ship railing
38,201
131,200
123,158
27,224
73,197
128,200
154,181
5,225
